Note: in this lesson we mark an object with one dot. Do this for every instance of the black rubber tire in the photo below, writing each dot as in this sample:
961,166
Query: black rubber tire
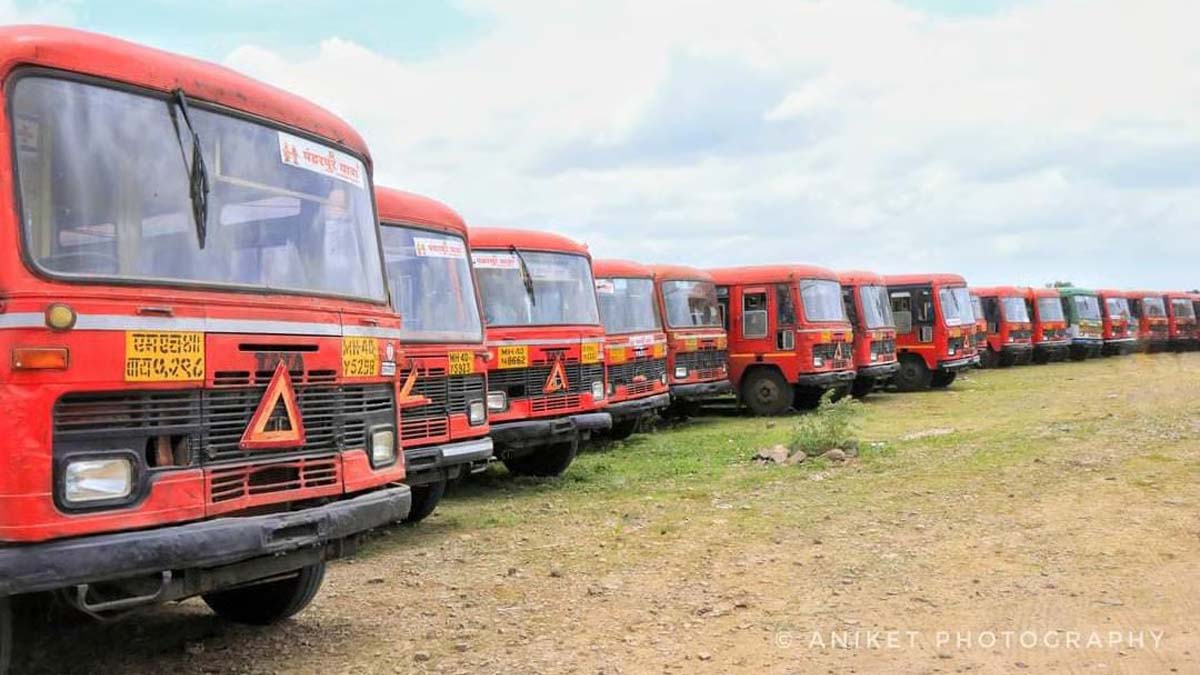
1041,357
988,358
942,379
807,397
766,393
862,387
268,603
1079,353
624,428
913,374
425,499
6,635
546,462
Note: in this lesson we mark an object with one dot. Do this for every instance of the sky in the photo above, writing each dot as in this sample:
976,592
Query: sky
1012,141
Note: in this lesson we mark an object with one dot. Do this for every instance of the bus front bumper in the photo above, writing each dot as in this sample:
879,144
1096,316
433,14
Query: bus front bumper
203,545
701,390
878,372
432,463
524,434
955,365
638,407
828,380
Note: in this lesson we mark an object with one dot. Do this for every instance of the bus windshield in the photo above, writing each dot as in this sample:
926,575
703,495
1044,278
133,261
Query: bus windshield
691,304
1050,309
956,305
534,288
1088,307
1182,308
431,284
104,183
1015,310
627,305
877,307
1152,306
822,299
1117,307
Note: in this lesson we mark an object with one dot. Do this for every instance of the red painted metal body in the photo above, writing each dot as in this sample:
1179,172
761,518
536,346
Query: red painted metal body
813,352
1009,338
941,342
443,376
635,362
244,334
1120,329
873,347
700,350
1149,308
1181,319
1049,332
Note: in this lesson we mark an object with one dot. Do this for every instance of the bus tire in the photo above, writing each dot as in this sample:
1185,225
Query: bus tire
624,428
862,387
988,358
270,602
913,374
942,379
766,393
546,462
807,397
6,635
425,499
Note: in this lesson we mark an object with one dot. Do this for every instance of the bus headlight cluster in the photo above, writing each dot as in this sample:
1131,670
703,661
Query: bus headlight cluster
476,413
681,372
98,480
383,446
598,391
818,362
497,401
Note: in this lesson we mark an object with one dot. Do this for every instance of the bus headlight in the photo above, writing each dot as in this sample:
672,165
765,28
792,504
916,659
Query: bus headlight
497,401
680,373
597,391
476,413
383,446
818,362
663,378
98,480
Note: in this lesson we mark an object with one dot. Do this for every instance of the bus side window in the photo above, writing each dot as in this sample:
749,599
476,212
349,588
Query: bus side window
902,311
991,312
924,302
1066,306
723,305
851,310
754,315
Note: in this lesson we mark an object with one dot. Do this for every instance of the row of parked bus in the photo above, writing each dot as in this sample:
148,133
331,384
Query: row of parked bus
230,354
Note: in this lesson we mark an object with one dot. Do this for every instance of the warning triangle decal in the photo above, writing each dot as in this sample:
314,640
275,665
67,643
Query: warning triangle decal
557,381
407,399
276,422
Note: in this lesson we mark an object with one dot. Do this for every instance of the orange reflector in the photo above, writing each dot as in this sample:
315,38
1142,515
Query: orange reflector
40,358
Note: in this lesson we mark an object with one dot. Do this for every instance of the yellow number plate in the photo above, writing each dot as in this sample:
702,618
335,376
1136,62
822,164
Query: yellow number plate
722,342
660,350
360,357
166,356
462,363
513,357
617,355
691,344
590,352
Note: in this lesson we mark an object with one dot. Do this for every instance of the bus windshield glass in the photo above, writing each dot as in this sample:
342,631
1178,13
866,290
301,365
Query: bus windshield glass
822,299
1050,309
1182,308
104,181
1088,307
956,305
1015,310
1153,306
691,304
627,305
535,288
877,307
1117,307
432,289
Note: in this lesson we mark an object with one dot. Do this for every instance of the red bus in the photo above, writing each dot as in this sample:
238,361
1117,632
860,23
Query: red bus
1050,339
443,377
1009,327
1181,320
1120,329
790,339
980,336
200,355
1149,308
635,353
697,345
546,388
935,327
870,310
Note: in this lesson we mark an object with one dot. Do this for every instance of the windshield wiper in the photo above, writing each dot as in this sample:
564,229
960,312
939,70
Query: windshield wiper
526,277
198,173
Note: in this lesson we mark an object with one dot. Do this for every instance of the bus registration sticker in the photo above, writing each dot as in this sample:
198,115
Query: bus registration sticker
164,356
617,355
590,352
462,363
513,356
360,357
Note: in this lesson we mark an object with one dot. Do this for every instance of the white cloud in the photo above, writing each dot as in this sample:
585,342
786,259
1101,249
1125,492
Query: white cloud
1056,140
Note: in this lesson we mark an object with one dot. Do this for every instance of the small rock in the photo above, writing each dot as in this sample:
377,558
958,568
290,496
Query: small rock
704,656
775,455
835,455
556,572
461,647
420,657
796,457
375,580
512,571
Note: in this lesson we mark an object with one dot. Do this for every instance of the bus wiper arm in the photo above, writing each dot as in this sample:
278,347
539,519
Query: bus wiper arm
526,277
197,174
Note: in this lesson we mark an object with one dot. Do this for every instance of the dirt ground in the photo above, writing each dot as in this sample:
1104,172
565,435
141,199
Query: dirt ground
980,530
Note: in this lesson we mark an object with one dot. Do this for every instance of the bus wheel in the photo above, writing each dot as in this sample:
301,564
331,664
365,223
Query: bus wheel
550,461
425,499
862,387
6,636
267,603
807,398
765,392
622,429
942,379
913,375
988,358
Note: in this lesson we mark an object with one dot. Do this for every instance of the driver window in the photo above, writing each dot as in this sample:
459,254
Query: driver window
754,315
902,310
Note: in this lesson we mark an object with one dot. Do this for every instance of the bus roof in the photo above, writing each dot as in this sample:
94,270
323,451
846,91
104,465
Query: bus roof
922,279
117,60
680,273
860,278
531,240
399,207
999,291
627,269
769,274
1075,290
1042,292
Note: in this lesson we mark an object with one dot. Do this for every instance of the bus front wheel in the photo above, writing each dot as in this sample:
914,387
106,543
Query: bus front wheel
6,636
270,602
913,374
766,393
